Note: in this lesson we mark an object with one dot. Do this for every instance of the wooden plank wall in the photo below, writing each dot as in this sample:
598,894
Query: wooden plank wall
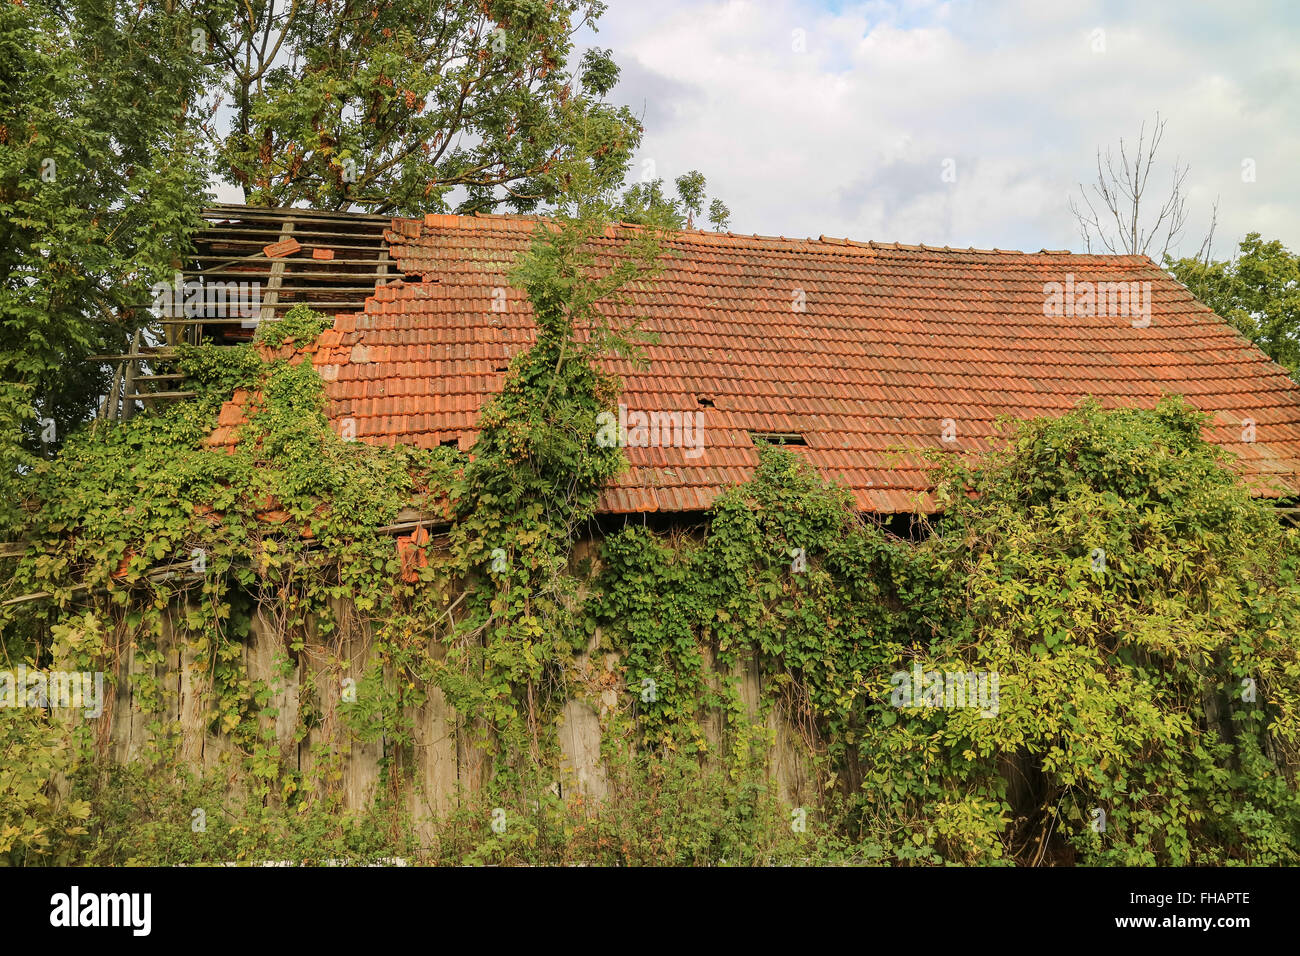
447,762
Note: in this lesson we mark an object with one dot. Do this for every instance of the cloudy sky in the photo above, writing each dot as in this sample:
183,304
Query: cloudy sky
840,118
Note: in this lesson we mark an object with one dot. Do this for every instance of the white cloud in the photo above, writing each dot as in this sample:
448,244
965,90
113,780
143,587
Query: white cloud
848,138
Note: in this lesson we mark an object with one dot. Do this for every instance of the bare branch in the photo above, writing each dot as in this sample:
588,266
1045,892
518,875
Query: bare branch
1115,221
1203,254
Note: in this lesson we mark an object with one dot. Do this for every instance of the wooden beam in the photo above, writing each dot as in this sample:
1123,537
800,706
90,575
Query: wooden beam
232,211
166,356
250,274
128,381
119,372
237,238
144,395
34,596
272,293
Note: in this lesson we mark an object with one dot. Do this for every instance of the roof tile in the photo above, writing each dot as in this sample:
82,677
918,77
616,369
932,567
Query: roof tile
893,340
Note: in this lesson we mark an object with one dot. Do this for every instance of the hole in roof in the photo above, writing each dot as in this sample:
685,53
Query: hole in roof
449,443
232,247
501,368
413,277
706,402
778,438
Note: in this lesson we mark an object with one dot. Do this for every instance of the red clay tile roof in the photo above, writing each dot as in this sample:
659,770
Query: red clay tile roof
893,341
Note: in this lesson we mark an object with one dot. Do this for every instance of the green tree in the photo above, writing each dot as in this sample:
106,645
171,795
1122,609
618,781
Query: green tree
412,106
719,215
690,190
1258,292
646,201
15,460
100,183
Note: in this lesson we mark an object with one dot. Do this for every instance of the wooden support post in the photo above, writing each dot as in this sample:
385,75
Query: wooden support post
111,410
272,294
128,381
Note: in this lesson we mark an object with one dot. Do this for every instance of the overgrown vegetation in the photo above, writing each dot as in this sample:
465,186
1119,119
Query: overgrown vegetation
101,181
659,812
1137,607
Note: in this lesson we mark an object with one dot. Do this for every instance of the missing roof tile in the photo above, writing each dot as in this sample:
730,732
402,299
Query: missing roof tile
706,402
777,438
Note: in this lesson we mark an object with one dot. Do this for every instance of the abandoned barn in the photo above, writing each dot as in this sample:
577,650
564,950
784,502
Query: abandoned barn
855,353
862,358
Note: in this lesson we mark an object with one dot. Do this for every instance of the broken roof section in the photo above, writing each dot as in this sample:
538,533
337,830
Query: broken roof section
861,356
331,260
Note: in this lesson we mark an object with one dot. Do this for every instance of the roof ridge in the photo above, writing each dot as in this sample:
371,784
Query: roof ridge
441,220
444,220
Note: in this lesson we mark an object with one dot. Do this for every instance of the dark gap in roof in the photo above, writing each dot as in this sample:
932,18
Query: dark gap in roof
778,438
449,443
706,402
329,261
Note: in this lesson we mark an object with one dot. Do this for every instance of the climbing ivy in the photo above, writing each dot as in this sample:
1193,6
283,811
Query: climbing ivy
160,530
531,487
1137,606
152,526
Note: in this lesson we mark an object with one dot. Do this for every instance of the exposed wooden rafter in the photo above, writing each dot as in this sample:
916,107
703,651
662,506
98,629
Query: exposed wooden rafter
250,265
